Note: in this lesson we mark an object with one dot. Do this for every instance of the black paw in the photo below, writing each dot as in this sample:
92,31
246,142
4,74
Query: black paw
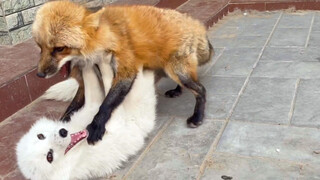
65,118
173,93
194,121
96,132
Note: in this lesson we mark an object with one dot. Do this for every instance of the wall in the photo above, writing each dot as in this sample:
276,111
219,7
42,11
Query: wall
16,17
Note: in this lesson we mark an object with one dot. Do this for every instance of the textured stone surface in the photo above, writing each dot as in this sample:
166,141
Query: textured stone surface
314,39
21,57
240,41
289,37
21,34
273,141
178,153
243,167
29,14
287,70
16,5
38,2
160,122
296,20
5,38
3,24
290,54
1,10
316,22
94,3
221,94
235,61
308,99
14,21
266,100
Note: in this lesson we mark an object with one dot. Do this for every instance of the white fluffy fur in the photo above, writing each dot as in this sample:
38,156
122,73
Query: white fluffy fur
129,125
62,91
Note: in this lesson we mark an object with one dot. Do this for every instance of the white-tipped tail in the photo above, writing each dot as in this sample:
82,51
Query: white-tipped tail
62,91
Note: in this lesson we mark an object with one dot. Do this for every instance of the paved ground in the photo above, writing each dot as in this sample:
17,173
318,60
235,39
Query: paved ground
262,109
262,116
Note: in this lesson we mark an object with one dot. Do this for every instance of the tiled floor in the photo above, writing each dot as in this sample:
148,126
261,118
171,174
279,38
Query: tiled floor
262,116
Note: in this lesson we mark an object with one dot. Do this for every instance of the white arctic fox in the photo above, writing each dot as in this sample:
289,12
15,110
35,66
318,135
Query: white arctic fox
41,151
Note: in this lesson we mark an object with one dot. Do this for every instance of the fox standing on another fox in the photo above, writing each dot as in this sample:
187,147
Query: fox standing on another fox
164,40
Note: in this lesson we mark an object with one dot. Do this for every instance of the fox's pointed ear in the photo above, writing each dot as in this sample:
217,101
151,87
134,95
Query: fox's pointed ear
93,20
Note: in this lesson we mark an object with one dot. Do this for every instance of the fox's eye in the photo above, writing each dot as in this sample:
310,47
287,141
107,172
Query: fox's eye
58,49
41,136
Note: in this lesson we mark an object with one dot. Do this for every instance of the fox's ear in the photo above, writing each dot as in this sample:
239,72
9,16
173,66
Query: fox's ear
93,20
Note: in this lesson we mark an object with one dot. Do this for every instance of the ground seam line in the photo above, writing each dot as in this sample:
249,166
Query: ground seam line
267,42
275,124
293,102
204,165
146,149
181,5
28,89
310,29
209,154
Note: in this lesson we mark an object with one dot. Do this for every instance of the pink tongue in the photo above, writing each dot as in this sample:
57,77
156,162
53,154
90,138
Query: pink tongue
64,71
76,138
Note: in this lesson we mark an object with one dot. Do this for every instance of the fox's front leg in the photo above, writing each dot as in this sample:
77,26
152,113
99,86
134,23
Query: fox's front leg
78,100
121,86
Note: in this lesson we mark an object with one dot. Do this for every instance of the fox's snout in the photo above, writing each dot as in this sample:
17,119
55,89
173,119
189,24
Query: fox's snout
47,67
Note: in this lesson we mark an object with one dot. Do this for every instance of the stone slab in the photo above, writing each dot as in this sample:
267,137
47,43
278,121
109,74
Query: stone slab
272,141
296,20
290,54
179,153
266,100
235,62
244,167
307,70
306,112
289,37
221,94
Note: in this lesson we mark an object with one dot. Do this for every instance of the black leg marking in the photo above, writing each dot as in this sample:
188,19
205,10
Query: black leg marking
200,94
174,92
75,105
115,96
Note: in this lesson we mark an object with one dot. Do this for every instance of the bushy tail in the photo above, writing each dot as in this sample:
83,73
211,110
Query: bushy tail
206,55
62,91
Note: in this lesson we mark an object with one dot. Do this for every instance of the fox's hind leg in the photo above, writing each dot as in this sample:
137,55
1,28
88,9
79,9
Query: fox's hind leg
184,72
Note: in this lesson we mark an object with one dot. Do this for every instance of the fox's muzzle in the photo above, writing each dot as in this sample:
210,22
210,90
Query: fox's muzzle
47,65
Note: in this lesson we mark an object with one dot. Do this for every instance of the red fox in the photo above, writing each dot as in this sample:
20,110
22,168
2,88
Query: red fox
163,40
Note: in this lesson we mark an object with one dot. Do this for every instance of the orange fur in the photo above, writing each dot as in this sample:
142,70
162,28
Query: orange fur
137,35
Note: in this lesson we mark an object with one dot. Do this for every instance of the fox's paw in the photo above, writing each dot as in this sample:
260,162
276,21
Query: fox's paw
194,121
96,132
65,118
174,92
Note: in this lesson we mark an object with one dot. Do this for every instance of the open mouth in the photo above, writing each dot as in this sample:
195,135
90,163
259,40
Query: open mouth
76,138
66,69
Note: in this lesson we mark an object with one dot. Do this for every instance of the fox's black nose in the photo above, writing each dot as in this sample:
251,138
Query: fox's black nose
40,74
63,132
